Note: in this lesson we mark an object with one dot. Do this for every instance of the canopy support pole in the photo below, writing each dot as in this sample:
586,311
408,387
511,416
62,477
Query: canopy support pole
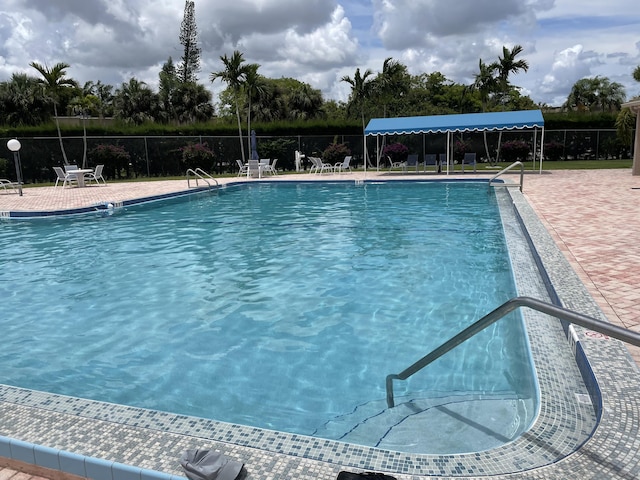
541,148
448,150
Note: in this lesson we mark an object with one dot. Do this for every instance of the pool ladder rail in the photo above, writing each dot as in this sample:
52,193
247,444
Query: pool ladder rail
614,331
505,170
200,174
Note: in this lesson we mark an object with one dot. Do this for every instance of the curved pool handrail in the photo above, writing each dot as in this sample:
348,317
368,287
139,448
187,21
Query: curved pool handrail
620,333
505,170
198,173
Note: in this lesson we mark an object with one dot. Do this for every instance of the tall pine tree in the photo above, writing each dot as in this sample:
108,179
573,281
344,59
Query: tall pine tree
190,62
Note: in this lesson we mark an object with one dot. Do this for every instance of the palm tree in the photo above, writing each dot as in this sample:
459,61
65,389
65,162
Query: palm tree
271,105
485,81
392,82
192,103
22,101
135,102
589,94
582,96
625,122
361,90
82,105
610,95
254,86
105,97
305,102
234,75
507,64
54,81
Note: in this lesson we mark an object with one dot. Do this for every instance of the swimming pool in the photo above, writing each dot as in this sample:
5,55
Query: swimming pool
306,274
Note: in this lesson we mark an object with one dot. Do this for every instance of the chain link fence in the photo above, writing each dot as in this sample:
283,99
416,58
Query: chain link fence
161,156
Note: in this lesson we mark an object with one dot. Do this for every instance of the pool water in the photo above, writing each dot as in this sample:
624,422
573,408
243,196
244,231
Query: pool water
281,306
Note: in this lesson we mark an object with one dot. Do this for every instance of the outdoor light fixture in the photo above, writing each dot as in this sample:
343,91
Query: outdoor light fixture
14,146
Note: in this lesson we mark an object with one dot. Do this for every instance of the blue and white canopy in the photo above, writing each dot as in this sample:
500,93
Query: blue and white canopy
468,122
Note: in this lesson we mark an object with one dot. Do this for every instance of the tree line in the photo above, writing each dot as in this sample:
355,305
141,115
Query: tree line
27,100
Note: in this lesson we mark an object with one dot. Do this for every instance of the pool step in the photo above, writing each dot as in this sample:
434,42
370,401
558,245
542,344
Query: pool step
456,424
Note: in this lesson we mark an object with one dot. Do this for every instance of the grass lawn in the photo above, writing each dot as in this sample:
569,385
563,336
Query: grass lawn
571,164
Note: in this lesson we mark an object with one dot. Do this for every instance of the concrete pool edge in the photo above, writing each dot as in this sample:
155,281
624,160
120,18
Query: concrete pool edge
395,459
39,460
103,207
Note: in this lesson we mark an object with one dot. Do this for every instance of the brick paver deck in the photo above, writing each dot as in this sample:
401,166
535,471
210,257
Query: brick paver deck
594,218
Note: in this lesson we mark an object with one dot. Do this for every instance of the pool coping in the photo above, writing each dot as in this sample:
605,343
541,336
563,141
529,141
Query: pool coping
615,416
103,207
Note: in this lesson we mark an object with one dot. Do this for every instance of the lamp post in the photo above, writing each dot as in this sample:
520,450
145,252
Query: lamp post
14,146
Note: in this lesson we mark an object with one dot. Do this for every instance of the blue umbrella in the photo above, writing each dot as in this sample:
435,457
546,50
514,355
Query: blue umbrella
254,146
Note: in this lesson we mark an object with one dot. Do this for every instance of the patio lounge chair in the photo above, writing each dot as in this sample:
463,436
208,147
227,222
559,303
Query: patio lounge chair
469,159
411,162
319,166
442,162
242,167
96,175
270,167
322,166
65,177
393,164
344,165
254,168
314,164
8,184
431,160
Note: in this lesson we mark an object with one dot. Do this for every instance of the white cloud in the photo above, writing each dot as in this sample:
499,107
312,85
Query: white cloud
319,41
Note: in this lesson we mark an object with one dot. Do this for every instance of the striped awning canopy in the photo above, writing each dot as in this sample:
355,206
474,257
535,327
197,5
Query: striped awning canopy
468,122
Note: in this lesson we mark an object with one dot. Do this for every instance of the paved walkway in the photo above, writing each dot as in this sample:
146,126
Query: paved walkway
593,215
594,218
8,473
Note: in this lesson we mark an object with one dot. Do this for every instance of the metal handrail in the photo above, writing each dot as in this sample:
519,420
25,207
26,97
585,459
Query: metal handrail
628,336
198,173
504,170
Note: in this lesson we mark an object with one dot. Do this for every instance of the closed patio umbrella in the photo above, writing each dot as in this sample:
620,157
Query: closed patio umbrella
254,146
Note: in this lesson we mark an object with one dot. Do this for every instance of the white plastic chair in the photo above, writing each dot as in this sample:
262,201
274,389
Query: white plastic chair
315,164
65,177
344,165
322,166
393,164
96,175
254,167
270,168
4,183
242,167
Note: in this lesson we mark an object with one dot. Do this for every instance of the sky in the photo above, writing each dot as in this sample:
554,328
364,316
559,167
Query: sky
320,41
